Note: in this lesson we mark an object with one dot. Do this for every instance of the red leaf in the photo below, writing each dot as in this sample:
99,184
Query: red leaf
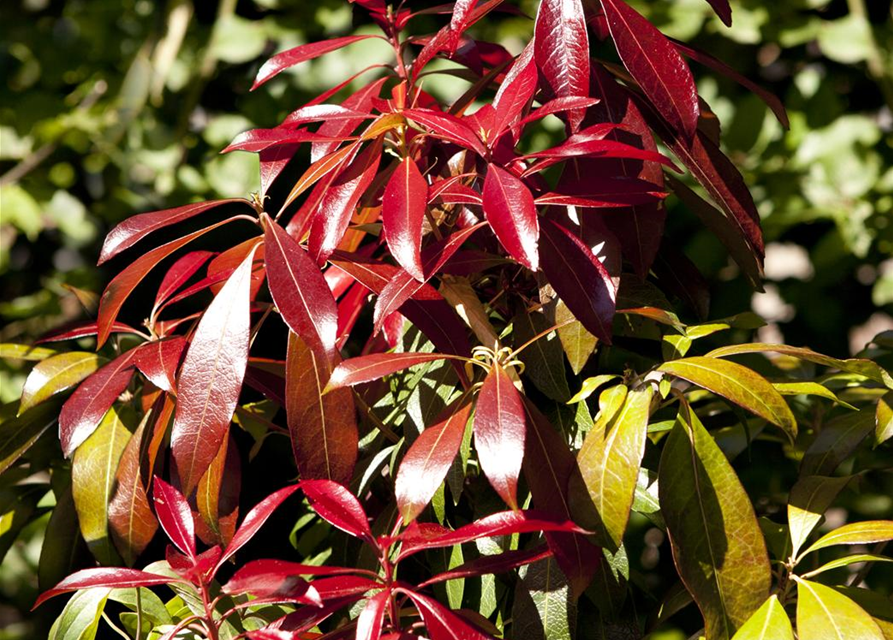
326,113
257,140
108,577
428,460
292,57
299,290
371,617
273,161
509,208
323,428
556,105
723,10
402,214
125,282
267,576
448,127
158,361
548,467
82,330
561,47
498,563
579,278
374,366
403,286
514,93
589,147
341,197
619,200
82,412
441,623
179,274
137,227
499,433
175,516
361,101
335,504
211,377
451,191
655,65
217,496
255,519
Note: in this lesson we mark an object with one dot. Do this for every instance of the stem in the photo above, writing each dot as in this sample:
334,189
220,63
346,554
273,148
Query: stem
209,613
114,627
139,614
859,578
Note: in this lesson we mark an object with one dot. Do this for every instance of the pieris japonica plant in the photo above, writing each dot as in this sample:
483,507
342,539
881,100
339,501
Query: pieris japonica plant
478,362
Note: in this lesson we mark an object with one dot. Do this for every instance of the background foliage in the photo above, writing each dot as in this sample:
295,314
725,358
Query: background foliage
114,107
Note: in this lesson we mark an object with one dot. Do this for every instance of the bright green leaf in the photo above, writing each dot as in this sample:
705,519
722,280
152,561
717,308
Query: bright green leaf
867,532
884,419
544,606
847,561
809,389
578,343
9,351
770,622
589,387
80,618
825,614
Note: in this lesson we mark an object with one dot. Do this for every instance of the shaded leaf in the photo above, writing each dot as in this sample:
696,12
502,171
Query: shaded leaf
217,496
67,549
19,433
543,358
255,519
80,618
544,607
835,442
884,419
807,503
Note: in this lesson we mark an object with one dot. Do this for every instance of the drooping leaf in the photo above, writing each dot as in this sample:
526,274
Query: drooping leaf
211,377
67,551
297,55
509,208
580,279
376,365
299,290
561,49
55,375
499,432
428,460
322,426
609,465
737,383
855,533
577,342
137,227
717,544
174,515
108,577
402,213
497,563
769,622
335,504
825,614
655,65
255,519
441,623
807,503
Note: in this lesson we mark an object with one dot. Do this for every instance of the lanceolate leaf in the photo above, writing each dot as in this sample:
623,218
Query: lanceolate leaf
211,377
292,57
255,519
655,65
18,433
738,384
180,273
111,577
448,127
217,496
322,426
402,213
884,419
561,48
158,361
374,366
580,279
93,470
441,623
499,563
334,503
514,93
299,290
717,544
825,614
509,207
370,620
609,464
807,503
499,432
838,438
135,228
856,533
427,461
56,374
769,622
175,516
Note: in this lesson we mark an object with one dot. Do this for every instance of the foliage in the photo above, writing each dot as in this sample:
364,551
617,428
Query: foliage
514,239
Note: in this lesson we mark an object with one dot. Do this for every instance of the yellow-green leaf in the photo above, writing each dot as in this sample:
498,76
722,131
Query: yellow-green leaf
867,532
770,622
609,467
717,543
577,342
737,383
847,561
809,389
589,387
93,469
825,614
10,351
56,374
809,499
18,433
884,419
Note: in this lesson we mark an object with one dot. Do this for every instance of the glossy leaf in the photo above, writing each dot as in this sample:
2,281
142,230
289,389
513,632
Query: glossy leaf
884,419
609,465
374,366
738,384
498,563
159,360
580,279
299,290
807,503
825,614
57,374
179,274
322,426
371,618
561,49
717,544
847,561
174,515
769,622
93,468
81,616
402,213
273,575
856,533
335,504
511,212
514,93
441,623
211,378
255,519
499,432
655,65
544,605
108,577
257,140
428,460
448,127
297,55
217,496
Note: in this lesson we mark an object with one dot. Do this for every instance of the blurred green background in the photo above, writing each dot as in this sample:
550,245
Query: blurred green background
110,108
